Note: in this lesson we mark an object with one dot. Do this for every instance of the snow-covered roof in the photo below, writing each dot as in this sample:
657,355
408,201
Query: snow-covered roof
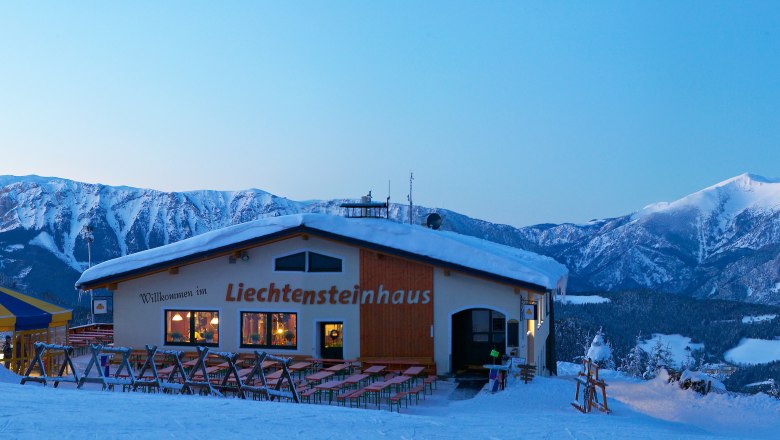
446,248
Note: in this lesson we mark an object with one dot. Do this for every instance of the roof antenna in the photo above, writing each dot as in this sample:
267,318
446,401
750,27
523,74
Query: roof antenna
409,197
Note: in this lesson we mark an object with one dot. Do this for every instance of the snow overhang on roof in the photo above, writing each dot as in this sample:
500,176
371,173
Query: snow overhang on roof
441,248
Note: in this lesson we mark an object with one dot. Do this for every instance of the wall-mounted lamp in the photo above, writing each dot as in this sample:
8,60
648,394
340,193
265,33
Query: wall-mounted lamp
244,256
176,317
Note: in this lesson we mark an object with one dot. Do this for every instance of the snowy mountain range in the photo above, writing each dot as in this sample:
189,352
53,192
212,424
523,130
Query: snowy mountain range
721,242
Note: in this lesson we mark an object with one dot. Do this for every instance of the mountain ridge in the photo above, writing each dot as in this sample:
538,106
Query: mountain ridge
720,242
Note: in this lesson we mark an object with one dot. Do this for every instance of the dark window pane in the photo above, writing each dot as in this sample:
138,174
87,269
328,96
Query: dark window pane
499,338
498,324
293,263
323,263
514,334
480,321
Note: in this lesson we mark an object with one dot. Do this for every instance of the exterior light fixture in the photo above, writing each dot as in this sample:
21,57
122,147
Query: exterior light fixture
244,256
214,320
176,317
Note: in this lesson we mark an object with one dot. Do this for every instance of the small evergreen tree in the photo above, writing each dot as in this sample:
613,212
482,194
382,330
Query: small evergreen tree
774,389
660,356
634,363
600,352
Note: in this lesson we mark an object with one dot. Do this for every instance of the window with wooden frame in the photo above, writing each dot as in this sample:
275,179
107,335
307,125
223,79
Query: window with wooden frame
192,327
269,330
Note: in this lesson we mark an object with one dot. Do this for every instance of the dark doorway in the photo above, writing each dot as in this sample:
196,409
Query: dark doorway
475,333
332,340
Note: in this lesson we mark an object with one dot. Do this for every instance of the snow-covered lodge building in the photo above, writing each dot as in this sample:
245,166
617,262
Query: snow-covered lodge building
332,287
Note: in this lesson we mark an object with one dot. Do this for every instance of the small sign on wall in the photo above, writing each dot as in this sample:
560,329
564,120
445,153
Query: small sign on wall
99,306
529,311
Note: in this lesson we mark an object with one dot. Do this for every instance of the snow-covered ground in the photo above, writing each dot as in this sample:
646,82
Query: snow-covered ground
754,351
676,344
540,409
582,299
757,319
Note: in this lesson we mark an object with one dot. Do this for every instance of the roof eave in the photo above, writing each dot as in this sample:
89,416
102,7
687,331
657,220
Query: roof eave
303,229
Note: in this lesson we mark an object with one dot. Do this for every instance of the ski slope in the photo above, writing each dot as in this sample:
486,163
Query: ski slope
540,409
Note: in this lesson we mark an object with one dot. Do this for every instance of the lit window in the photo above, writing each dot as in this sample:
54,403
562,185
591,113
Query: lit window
265,329
254,329
284,330
192,327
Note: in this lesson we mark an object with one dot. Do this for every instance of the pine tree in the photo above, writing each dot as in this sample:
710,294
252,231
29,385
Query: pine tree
653,361
774,389
600,351
634,363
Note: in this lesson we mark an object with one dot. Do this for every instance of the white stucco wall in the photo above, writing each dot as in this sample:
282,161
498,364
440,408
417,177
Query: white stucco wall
457,292
137,323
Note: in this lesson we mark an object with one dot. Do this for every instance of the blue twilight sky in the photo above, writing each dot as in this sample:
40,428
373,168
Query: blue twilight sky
515,112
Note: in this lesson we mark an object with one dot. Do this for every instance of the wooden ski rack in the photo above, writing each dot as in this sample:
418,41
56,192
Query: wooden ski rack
262,388
203,386
589,379
107,381
174,380
40,350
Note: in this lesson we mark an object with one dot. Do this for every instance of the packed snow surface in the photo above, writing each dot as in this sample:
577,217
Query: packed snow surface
756,319
754,351
540,409
449,247
676,344
582,299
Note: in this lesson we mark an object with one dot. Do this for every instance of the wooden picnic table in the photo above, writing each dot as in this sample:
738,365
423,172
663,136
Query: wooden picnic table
374,371
356,379
413,371
333,385
319,376
400,382
324,362
298,366
339,369
378,388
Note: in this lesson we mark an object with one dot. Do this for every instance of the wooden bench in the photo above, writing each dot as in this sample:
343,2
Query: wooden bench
416,390
356,396
430,383
397,399
341,399
308,394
